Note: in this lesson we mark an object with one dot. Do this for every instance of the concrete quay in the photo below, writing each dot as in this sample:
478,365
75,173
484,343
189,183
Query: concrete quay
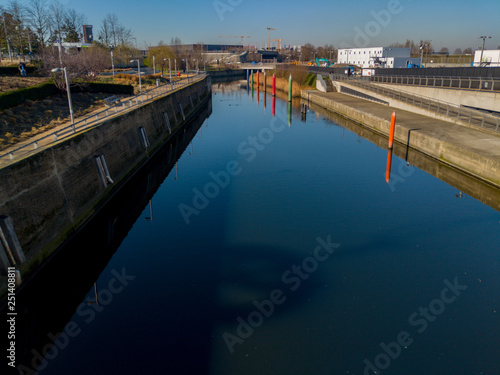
469,150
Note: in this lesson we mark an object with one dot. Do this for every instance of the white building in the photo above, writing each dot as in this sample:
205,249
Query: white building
491,57
374,57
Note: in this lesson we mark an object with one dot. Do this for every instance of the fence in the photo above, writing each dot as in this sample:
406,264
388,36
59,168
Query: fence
476,83
470,116
92,120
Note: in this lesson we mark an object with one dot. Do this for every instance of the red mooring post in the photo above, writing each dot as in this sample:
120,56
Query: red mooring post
393,126
257,79
274,85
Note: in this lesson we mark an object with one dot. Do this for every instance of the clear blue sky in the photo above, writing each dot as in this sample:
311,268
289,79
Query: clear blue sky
447,23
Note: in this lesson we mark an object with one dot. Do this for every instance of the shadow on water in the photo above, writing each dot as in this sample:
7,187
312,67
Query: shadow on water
47,301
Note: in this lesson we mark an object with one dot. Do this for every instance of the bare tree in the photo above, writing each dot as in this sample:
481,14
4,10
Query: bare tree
308,51
113,33
73,25
57,17
458,51
38,17
468,51
123,35
82,67
444,50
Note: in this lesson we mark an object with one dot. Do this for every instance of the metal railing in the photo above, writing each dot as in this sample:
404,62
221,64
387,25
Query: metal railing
469,83
92,120
460,113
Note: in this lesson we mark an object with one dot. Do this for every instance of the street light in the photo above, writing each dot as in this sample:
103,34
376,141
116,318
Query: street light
482,50
55,70
187,69
422,48
112,62
169,70
139,72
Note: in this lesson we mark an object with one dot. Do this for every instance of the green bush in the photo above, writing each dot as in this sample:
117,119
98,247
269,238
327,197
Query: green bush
14,70
12,98
107,88
311,80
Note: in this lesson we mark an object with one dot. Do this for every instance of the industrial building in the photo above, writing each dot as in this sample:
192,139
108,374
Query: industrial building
490,57
377,57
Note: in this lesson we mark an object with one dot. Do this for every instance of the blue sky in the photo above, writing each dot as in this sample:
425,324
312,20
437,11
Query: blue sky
449,23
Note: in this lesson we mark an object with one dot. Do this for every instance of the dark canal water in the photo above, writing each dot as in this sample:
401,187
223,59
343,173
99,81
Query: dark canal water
275,249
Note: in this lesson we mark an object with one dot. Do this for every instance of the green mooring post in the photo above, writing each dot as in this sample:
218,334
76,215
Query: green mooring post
290,88
251,79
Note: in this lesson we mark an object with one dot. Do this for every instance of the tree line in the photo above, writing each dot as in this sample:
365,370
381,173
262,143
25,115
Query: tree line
31,25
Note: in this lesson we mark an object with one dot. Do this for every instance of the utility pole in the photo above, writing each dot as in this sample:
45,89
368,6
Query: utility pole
482,50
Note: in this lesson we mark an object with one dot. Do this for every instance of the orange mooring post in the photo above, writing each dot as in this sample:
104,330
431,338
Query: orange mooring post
393,126
274,85
257,79
388,170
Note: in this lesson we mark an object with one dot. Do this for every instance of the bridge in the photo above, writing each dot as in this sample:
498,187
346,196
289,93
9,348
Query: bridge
258,66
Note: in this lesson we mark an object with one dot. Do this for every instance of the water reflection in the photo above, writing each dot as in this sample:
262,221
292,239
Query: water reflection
475,188
389,164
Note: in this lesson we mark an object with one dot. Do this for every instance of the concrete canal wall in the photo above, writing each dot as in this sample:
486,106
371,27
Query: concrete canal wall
472,151
49,195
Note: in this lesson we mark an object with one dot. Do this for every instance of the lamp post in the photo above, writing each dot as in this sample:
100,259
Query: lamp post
387,56
482,50
112,63
422,47
55,70
197,68
187,69
169,69
139,72
154,66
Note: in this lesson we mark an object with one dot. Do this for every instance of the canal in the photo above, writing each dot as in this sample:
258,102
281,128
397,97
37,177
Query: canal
261,244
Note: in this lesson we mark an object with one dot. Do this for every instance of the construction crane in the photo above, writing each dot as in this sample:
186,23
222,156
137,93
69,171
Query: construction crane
233,36
269,38
277,40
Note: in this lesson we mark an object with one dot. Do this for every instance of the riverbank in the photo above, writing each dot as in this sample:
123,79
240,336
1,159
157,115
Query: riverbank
472,151
49,195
